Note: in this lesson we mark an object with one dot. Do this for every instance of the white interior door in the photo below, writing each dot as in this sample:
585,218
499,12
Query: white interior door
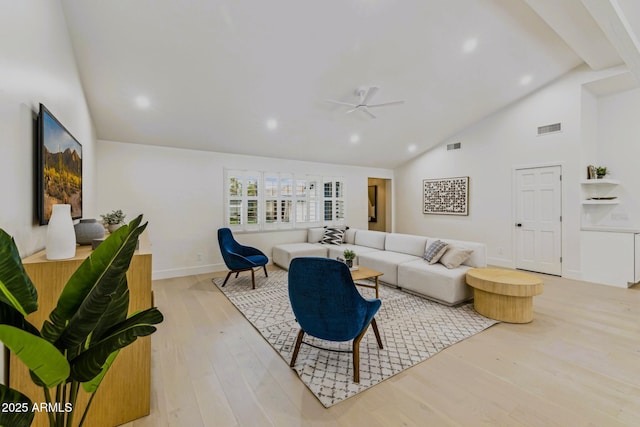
538,222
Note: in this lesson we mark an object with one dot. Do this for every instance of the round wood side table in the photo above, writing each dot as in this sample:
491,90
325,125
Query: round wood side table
505,295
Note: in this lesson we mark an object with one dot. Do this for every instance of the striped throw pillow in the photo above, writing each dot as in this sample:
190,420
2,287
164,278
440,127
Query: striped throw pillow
435,251
332,236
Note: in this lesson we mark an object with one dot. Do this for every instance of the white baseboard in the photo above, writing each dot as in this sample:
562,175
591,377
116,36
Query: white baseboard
501,262
187,271
572,274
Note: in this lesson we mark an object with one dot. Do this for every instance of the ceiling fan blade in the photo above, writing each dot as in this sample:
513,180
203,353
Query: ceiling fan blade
371,92
366,111
332,101
351,110
384,104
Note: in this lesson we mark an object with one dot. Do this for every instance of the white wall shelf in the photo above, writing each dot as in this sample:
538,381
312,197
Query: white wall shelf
597,189
600,202
600,182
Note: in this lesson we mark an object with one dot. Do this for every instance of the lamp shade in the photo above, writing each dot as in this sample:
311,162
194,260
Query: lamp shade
61,237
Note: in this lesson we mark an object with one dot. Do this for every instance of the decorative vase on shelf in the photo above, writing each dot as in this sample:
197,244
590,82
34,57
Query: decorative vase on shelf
87,230
61,237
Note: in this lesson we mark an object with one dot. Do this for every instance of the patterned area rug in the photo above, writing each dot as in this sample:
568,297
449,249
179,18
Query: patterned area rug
412,330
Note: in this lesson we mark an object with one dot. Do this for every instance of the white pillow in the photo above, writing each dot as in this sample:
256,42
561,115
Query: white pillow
454,256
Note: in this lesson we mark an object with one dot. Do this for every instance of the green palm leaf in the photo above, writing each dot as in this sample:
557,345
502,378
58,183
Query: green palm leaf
89,363
21,415
16,288
90,290
115,313
38,354
12,317
92,386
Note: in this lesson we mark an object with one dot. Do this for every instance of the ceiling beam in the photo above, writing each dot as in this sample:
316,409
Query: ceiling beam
613,18
575,25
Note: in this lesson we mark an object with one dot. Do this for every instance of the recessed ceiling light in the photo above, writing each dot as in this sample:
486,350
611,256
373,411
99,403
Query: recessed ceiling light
142,102
272,124
412,148
355,138
470,45
525,80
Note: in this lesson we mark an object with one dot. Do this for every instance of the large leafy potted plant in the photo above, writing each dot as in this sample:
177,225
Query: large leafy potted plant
84,333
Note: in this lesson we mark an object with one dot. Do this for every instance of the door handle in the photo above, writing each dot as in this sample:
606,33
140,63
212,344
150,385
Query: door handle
518,224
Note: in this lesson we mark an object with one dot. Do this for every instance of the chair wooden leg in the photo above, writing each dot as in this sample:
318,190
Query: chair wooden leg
375,331
296,348
253,279
226,278
265,271
356,354
356,358
237,273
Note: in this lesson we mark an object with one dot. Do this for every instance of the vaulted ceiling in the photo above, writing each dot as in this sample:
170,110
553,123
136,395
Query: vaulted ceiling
253,77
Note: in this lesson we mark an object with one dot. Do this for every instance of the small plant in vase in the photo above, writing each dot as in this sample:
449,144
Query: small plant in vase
349,256
601,172
113,220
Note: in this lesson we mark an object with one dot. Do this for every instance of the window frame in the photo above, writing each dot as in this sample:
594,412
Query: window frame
306,208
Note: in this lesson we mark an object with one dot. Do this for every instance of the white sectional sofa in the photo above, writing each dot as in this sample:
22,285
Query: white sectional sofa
399,257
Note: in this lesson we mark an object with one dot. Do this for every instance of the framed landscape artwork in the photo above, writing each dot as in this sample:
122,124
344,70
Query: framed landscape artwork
59,172
446,196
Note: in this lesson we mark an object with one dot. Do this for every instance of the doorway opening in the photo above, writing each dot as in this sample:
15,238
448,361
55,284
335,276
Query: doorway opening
379,198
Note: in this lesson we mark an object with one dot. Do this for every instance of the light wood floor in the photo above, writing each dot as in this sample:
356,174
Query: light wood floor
576,364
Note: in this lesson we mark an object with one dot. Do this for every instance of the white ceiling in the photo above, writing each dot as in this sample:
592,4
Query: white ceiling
215,71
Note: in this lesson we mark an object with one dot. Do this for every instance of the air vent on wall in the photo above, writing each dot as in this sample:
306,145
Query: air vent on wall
543,130
454,146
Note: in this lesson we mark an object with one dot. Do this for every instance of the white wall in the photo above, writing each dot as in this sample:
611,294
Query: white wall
491,149
619,149
36,66
180,193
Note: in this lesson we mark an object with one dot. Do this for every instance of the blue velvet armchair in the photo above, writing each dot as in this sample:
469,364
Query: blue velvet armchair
328,306
240,258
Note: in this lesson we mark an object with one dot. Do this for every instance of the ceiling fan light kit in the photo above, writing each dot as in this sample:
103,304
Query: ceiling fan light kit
366,94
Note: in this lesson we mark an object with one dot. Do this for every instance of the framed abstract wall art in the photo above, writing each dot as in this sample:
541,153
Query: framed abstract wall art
446,196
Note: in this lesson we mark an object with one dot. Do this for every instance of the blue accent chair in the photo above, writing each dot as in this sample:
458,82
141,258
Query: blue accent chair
328,306
240,258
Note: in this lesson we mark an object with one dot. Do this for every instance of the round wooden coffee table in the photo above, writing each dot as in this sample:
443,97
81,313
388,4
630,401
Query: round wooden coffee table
505,295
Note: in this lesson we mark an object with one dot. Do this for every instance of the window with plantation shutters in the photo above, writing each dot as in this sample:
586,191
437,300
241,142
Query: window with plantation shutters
274,200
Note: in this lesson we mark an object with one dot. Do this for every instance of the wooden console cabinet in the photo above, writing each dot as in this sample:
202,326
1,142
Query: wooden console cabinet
124,394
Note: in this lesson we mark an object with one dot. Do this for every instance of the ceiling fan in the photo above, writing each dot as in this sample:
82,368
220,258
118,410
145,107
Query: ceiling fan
366,95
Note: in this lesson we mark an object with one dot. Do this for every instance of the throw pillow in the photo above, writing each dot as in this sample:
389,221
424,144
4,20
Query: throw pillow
332,236
454,256
435,251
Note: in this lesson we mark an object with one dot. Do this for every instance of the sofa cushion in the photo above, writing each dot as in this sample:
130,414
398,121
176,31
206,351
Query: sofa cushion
405,243
338,251
454,256
435,281
350,236
283,254
332,236
315,234
371,239
435,251
386,262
